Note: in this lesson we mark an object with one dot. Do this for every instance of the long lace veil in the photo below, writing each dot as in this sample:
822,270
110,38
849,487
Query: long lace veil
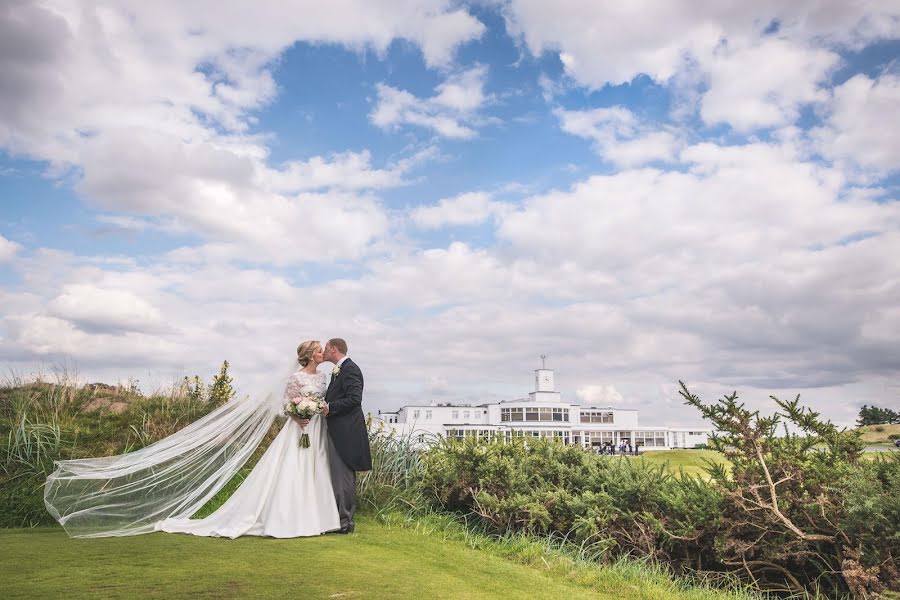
174,477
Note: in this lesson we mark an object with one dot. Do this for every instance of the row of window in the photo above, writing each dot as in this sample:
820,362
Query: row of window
543,413
466,414
515,433
461,433
649,438
593,416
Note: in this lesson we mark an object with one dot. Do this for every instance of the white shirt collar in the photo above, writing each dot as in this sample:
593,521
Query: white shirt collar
341,361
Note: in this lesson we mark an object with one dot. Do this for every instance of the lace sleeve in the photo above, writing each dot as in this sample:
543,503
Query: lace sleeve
293,389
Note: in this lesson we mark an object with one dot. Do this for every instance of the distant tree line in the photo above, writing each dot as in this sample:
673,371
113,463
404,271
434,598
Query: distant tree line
872,415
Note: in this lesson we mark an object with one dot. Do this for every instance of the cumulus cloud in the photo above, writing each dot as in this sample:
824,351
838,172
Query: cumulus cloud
167,91
856,130
746,92
97,309
619,136
731,47
746,266
345,171
8,249
470,208
600,395
451,112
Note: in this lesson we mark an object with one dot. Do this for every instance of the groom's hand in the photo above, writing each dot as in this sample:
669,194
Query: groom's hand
325,410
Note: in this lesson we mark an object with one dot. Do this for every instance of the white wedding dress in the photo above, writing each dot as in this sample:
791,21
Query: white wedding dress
287,494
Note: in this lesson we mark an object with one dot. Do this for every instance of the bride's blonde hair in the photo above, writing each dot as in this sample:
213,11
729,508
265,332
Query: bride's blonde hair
306,350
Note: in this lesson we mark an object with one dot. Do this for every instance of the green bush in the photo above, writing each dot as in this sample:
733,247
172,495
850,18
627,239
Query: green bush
543,487
803,512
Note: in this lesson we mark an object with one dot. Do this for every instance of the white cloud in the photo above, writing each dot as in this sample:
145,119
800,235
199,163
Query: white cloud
343,171
224,191
603,41
165,91
451,112
619,137
93,308
748,268
600,395
8,249
858,127
471,208
764,84
751,76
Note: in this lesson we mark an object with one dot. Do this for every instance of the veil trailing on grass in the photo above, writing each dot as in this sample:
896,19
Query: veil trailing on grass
174,477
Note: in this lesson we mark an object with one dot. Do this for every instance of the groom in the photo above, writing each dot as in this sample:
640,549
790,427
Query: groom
348,438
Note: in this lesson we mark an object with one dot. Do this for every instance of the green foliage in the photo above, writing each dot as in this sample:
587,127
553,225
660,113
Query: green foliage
872,415
41,422
802,513
393,482
220,390
193,389
626,507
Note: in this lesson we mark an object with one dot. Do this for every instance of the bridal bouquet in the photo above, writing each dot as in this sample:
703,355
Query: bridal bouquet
304,407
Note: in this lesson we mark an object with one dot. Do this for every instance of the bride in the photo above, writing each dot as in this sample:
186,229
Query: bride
159,487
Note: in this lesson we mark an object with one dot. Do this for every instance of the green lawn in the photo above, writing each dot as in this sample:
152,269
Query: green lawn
690,461
379,561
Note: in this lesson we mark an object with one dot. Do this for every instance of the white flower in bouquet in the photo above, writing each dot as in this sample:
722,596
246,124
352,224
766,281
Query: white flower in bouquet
304,407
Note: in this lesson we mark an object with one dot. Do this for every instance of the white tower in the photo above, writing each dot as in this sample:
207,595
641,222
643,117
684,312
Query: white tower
543,380
544,388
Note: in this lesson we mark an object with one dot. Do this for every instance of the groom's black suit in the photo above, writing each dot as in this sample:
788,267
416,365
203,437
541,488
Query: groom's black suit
346,422
348,438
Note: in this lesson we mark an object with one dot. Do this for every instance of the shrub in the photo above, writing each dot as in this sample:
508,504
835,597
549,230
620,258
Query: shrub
803,512
543,487
220,390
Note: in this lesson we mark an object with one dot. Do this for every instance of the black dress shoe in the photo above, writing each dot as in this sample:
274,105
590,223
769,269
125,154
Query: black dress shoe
347,529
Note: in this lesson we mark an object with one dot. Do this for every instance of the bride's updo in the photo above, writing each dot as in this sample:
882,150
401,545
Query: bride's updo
306,350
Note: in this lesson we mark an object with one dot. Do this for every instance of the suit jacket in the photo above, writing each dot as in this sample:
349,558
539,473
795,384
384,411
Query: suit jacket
346,422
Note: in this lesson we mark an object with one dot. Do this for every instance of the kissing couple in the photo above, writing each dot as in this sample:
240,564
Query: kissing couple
296,489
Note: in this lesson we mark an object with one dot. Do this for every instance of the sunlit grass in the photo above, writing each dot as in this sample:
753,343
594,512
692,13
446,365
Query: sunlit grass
687,461
393,557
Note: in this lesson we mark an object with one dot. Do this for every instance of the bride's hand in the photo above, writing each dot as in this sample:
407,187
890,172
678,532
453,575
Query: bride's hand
301,422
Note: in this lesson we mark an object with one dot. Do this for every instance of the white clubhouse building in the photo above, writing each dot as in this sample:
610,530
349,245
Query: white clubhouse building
542,414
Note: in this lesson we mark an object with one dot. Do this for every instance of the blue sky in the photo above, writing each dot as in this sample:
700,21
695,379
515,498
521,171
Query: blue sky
643,194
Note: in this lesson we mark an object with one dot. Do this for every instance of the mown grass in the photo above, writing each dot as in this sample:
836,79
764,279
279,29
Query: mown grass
685,460
393,557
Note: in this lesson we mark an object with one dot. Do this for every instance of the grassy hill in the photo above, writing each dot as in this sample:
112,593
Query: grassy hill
878,434
393,559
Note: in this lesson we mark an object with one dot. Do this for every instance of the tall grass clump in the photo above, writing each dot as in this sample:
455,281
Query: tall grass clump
393,482
48,418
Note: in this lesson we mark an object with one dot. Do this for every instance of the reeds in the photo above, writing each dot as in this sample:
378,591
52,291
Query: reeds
392,484
31,447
